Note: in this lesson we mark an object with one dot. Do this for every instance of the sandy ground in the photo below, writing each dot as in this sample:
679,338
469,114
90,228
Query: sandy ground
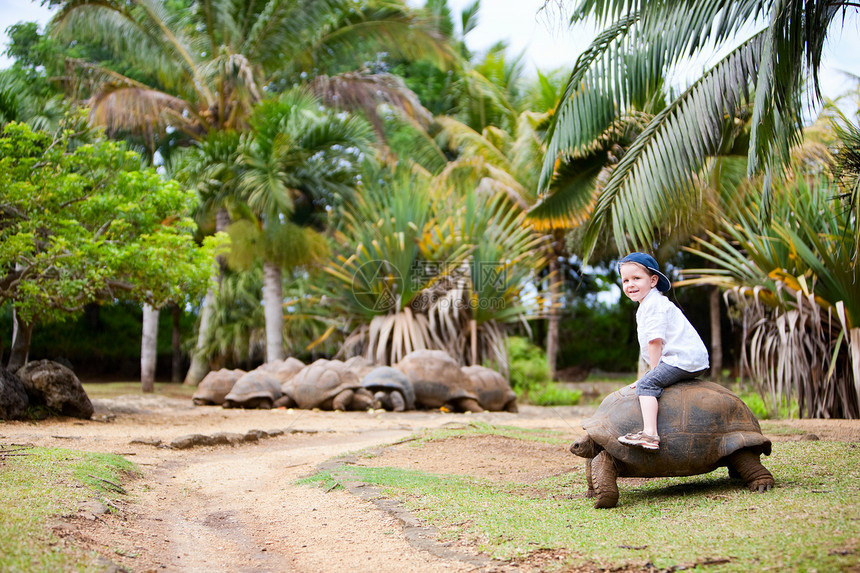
237,508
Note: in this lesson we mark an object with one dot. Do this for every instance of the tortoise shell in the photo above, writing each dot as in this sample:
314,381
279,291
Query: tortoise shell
436,378
699,424
283,370
215,387
388,378
256,389
320,381
360,365
494,392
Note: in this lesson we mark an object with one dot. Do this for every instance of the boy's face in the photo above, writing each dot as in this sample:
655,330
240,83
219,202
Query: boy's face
636,281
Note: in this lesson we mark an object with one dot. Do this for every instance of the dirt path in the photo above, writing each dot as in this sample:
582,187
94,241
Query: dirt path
237,508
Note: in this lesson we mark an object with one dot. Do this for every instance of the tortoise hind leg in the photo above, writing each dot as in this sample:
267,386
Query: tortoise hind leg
604,476
469,405
748,466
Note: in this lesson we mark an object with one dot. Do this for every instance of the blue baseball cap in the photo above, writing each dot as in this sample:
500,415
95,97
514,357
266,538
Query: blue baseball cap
647,261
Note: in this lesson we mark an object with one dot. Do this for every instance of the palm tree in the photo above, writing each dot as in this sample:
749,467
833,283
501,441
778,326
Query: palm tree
299,159
795,283
210,63
658,177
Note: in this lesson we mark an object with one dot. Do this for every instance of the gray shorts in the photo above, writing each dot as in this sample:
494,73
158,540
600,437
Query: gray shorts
653,382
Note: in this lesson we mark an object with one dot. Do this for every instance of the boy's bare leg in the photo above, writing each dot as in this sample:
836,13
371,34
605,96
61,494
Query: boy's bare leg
648,405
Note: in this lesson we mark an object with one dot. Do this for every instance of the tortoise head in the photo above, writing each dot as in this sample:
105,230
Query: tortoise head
585,447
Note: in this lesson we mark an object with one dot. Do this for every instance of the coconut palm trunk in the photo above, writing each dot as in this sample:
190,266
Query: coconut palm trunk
554,318
199,361
273,303
148,348
176,344
716,336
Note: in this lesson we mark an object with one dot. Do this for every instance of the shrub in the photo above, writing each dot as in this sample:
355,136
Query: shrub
554,395
764,409
530,376
528,366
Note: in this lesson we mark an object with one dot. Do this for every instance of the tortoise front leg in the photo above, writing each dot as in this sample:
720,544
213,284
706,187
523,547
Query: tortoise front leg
342,400
748,465
590,492
604,476
398,404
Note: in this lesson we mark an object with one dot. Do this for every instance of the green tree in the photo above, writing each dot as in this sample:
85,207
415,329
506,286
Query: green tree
299,159
81,222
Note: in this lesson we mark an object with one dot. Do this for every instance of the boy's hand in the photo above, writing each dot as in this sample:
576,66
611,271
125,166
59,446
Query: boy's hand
633,385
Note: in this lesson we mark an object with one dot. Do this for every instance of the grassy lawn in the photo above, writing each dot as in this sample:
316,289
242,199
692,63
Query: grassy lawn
114,389
810,521
39,483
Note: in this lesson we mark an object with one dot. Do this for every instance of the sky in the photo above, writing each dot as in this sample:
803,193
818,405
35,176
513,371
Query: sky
543,35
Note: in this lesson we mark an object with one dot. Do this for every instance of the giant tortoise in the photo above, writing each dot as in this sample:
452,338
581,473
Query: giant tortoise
329,385
439,382
215,387
391,388
255,389
494,392
702,426
283,370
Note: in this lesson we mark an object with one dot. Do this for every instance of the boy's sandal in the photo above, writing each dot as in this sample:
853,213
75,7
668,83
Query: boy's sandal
642,440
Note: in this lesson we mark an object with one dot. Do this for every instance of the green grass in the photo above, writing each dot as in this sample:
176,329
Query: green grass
114,389
810,521
48,482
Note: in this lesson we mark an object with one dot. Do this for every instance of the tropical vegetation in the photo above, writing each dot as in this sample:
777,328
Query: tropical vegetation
385,189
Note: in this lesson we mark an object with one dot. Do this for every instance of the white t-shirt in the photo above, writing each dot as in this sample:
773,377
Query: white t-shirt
683,348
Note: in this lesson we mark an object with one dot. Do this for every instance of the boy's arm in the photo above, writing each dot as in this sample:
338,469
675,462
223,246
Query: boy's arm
655,352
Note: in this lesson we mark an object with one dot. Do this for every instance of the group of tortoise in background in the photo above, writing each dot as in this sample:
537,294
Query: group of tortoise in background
423,379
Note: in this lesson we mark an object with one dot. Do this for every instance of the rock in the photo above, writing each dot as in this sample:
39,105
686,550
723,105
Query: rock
191,440
231,438
57,387
13,396
146,441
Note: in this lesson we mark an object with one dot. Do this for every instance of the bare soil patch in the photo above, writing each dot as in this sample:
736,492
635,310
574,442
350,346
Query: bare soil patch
237,508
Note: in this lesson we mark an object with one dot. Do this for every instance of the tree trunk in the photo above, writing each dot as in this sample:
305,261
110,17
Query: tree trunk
199,367
273,306
553,321
148,348
21,334
199,361
716,336
473,332
176,365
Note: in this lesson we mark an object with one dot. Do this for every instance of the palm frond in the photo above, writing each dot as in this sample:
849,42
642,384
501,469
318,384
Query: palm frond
367,92
657,175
